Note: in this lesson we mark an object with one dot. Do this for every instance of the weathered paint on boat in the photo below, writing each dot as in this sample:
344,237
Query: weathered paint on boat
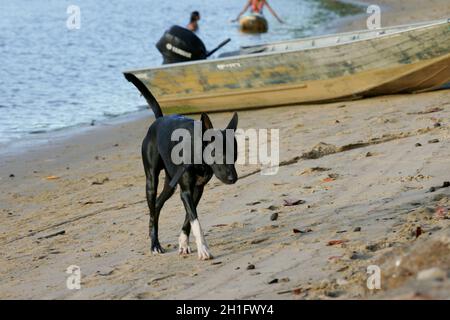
410,60
253,23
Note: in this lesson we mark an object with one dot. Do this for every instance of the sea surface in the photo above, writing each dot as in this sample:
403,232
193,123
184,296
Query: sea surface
54,77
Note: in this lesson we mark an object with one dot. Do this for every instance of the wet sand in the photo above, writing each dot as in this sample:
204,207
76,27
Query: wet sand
81,201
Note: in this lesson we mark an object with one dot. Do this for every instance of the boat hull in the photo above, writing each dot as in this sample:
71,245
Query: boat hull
253,23
405,62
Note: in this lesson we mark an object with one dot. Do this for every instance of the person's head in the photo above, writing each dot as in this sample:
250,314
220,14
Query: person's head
195,16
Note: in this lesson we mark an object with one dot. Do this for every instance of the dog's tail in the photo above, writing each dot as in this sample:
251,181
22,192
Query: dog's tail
154,105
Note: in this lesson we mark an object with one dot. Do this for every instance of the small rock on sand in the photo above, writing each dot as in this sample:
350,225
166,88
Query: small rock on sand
105,272
418,232
432,274
274,216
251,267
320,150
292,203
332,294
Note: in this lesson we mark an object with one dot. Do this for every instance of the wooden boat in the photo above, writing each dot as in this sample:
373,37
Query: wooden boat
253,23
402,59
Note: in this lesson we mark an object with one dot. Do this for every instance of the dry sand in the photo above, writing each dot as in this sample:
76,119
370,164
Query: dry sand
370,193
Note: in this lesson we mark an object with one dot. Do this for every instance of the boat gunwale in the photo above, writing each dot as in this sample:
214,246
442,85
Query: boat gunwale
264,54
412,26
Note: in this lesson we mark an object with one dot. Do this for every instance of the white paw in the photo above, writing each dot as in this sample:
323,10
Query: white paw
184,251
157,251
203,252
183,241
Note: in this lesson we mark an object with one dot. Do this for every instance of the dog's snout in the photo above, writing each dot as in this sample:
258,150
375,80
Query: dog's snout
232,178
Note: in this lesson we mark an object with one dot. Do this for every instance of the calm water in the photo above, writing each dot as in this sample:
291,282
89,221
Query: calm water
53,78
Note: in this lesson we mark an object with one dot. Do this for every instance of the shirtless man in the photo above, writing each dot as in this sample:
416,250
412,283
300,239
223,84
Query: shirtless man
193,24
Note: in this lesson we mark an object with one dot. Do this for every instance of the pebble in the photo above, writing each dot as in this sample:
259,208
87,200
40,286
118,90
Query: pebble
355,256
357,229
274,216
333,294
251,267
418,145
273,281
434,141
418,232
11,175
105,272
437,125
432,274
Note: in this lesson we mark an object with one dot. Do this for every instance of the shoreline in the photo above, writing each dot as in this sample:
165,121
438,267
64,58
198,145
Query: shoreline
35,140
43,140
80,200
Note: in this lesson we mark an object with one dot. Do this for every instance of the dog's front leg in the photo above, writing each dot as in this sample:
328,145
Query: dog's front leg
186,230
191,211
183,240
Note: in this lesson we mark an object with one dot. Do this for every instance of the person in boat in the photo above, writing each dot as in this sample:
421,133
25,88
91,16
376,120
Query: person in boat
257,6
193,24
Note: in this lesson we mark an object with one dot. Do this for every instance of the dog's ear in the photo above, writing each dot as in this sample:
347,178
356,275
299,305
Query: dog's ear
206,122
234,122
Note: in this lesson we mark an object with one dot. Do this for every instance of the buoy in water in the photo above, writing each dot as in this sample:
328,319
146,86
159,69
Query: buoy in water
253,23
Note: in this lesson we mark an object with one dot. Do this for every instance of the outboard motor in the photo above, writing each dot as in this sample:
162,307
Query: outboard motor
180,45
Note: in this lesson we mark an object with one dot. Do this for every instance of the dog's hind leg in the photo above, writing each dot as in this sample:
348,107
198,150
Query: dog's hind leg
167,192
187,196
152,166
186,230
151,188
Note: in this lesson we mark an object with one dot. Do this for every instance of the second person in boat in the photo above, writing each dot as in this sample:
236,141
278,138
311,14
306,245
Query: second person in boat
256,7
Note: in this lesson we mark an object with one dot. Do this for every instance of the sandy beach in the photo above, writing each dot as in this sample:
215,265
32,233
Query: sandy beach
364,170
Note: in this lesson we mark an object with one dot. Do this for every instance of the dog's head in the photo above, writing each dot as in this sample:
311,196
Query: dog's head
223,148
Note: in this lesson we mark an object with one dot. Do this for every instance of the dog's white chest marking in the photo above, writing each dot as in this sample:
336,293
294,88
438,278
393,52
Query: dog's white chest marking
202,247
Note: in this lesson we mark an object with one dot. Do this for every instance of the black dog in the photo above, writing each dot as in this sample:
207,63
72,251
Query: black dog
156,154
